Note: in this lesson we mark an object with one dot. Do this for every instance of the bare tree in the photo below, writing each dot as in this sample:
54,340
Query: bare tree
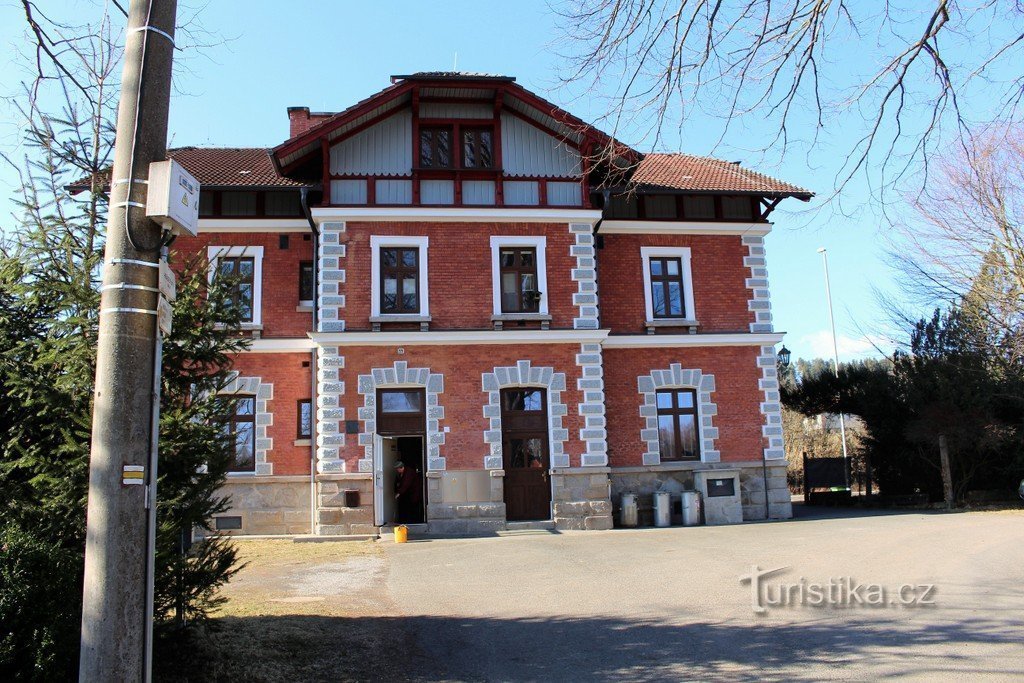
963,243
804,67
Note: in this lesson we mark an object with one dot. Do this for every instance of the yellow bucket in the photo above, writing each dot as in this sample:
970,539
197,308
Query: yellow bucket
401,533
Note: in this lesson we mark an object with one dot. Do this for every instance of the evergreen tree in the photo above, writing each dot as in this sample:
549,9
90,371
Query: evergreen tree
49,301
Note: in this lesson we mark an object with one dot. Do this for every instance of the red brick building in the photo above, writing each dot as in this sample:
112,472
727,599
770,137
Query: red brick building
450,273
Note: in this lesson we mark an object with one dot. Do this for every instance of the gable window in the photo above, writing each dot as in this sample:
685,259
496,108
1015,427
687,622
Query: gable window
677,424
399,276
244,267
241,427
519,275
305,419
306,283
477,148
668,287
436,147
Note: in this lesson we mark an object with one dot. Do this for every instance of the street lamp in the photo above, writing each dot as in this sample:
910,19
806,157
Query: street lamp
835,356
784,355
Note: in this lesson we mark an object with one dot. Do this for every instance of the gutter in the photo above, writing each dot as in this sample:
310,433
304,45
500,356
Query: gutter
304,200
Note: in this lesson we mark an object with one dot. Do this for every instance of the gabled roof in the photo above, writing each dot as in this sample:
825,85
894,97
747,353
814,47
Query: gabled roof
447,83
688,173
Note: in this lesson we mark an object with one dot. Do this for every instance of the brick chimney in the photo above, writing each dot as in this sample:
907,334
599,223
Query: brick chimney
300,120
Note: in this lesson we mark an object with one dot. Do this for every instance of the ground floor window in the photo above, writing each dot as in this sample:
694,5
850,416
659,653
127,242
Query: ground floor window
677,424
241,426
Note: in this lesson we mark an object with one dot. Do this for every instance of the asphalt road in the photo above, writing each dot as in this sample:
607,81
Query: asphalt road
657,604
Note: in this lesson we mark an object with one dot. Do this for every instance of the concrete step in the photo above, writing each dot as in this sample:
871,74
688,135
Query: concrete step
543,525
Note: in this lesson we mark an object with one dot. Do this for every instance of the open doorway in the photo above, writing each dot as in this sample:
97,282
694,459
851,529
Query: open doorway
399,498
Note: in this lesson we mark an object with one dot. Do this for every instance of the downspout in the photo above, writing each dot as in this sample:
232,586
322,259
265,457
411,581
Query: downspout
304,198
606,193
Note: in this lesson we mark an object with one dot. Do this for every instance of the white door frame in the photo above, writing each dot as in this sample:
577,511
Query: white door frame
378,480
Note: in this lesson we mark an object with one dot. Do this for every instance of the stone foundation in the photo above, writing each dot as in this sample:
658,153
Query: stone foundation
268,505
678,477
752,492
333,517
465,502
581,498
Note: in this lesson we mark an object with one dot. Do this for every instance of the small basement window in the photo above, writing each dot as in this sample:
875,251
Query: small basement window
228,523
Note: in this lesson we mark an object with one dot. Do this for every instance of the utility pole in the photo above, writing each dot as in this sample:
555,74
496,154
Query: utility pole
835,356
114,609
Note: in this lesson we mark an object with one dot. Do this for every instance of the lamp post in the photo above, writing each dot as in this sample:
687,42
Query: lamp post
835,356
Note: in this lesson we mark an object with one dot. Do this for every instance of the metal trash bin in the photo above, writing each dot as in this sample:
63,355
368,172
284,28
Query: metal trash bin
691,508
628,516
662,509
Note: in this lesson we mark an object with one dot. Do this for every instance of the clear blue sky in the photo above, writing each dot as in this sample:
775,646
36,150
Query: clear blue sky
329,55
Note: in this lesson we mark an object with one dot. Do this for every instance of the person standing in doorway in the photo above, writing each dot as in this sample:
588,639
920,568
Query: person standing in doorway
409,494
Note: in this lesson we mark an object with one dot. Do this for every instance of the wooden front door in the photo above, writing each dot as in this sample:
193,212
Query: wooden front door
524,435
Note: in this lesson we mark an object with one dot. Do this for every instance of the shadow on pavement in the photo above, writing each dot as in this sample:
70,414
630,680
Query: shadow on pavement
285,648
804,511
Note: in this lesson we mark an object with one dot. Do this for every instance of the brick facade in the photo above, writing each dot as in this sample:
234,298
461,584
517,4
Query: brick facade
291,377
460,288
280,274
719,281
738,420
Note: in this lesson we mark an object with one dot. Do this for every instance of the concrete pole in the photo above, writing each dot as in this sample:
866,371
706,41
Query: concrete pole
835,356
114,598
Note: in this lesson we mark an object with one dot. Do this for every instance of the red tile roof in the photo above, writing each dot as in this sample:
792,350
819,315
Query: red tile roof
220,167
232,166
704,174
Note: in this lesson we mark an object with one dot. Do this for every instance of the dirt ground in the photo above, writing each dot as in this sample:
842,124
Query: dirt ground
297,612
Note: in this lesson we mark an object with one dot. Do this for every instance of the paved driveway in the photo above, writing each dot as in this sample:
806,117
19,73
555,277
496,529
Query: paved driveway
668,603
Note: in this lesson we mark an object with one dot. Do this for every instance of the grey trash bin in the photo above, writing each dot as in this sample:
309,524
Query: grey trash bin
691,508
662,509
628,512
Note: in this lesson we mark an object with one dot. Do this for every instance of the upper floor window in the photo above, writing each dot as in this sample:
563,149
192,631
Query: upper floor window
436,147
241,428
668,284
243,267
399,281
519,291
677,424
306,283
519,275
667,287
477,149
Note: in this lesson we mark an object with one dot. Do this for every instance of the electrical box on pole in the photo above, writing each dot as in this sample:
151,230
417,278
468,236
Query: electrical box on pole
173,199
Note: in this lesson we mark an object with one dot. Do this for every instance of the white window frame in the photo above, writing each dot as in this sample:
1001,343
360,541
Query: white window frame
539,243
683,254
215,253
377,242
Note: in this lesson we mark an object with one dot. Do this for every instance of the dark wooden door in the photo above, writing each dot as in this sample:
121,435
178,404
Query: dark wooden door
525,454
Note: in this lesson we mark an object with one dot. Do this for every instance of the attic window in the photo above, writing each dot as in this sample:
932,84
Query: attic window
477,148
436,147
